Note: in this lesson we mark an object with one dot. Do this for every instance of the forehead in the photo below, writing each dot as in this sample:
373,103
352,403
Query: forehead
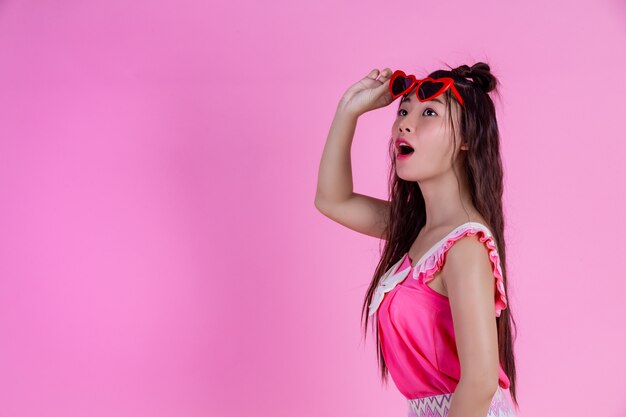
411,98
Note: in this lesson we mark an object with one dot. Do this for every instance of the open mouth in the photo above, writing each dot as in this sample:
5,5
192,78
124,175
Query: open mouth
404,149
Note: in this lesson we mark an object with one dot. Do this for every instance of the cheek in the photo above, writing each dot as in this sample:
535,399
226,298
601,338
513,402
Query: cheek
394,127
432,143
433,153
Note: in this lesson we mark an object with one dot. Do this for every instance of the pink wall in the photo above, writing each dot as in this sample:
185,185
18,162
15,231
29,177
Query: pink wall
160,253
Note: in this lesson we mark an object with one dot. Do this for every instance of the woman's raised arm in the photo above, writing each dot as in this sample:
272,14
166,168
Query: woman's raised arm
335,197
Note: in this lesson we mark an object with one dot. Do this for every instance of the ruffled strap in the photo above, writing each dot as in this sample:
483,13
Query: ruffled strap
436,260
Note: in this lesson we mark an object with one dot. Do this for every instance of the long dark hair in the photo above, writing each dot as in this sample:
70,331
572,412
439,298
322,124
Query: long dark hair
483,169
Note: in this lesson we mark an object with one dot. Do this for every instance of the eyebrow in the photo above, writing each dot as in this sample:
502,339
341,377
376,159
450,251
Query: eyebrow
407,98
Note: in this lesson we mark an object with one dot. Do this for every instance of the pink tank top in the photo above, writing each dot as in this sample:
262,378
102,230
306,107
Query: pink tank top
415,321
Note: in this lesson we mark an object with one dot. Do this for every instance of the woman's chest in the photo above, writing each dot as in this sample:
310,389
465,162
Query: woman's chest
412,298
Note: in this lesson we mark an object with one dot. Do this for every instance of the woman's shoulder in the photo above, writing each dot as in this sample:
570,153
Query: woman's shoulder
470,239
467,246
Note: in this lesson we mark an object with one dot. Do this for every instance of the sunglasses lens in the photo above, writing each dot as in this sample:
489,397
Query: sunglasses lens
400,84
430,90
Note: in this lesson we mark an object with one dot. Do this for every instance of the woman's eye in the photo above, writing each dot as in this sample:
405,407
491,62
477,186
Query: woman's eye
401,110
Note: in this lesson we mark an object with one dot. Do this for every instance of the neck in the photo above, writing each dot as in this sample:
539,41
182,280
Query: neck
447,203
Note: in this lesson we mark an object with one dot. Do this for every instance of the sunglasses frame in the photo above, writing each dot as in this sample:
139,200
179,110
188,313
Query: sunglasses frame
448,84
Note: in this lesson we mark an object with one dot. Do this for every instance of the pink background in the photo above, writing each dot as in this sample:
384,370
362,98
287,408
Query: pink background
160,252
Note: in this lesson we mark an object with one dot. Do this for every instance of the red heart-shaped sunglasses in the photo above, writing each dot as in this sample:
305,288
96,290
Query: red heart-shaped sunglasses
426,88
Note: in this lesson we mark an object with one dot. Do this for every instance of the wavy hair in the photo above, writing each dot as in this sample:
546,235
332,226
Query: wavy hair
483,170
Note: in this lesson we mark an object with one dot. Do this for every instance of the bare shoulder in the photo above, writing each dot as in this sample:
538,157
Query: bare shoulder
467,259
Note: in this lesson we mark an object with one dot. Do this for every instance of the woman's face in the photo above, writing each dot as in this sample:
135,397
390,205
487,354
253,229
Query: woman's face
425,127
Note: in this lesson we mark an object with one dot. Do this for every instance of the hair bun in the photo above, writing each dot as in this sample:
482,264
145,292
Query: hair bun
480,73
463,71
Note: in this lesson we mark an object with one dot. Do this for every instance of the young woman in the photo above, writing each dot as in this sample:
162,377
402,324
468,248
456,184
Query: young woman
443,321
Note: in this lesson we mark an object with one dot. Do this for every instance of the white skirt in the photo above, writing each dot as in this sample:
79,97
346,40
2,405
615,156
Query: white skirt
438,406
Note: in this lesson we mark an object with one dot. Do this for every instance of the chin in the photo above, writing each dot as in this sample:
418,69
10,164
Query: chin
408,176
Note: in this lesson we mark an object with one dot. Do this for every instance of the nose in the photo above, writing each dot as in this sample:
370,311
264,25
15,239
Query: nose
404,126
408,122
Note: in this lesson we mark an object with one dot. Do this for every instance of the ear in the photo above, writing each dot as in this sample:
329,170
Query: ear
464,147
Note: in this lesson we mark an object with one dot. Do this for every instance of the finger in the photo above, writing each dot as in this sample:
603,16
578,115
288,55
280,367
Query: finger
385,75
373,74
383,88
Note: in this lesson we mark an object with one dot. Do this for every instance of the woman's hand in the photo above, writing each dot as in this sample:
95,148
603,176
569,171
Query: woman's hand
370,93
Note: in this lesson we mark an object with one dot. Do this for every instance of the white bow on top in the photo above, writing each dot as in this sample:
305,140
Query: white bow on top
387,282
